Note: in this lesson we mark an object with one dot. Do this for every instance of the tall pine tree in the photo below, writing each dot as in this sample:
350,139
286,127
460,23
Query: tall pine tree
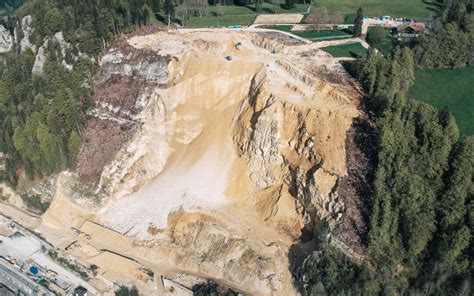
358,22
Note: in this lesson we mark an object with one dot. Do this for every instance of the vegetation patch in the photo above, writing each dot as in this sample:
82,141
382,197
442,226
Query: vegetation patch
346,50
402,8
73,266
451,88
127,291
34,203
315,35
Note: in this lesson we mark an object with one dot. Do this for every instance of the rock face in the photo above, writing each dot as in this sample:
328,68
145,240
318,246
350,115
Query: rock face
41,56
220,162
23,37
123,88
6,40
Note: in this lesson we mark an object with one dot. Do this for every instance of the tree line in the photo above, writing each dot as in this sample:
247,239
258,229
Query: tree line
422,204
451,44
421,220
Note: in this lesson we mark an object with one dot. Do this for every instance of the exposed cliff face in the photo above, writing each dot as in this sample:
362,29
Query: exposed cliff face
6,40
123,88
220,163
22,37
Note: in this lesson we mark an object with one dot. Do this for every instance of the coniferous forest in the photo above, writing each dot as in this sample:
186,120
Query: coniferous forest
422,199
41,115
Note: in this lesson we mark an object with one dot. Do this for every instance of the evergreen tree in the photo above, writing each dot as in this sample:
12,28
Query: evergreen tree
258,6
290,4
155,6
168,8
358,22
53,21
74,143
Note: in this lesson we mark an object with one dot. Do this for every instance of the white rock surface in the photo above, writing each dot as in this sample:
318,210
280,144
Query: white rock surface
27,29
41,56
6,40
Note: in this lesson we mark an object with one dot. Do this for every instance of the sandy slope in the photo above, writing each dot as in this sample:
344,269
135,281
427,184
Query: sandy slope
224,158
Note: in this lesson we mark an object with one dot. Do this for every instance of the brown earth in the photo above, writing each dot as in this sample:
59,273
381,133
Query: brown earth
115,97
323,18
102,139
356,188
287,18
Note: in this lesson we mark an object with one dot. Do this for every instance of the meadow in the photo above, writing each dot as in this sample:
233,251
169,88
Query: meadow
316,35
240,15
453,88
345,50
418,9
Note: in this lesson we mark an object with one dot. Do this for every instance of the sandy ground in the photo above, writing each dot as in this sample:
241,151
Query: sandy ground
20,216
278,18
13,197
187,183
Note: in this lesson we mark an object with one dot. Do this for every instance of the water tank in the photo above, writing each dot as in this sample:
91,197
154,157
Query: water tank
34,270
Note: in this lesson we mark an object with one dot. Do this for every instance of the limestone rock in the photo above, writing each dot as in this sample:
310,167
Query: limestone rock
6,40
23,37
41,57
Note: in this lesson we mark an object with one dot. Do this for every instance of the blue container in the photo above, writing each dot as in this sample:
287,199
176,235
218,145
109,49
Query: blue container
34,270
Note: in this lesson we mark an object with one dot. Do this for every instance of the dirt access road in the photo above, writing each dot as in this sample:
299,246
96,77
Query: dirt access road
264,30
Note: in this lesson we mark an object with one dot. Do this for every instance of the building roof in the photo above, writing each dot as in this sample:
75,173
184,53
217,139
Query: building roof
419,27
5,291
80,291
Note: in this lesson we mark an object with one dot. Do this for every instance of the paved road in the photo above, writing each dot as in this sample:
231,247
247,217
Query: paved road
25,246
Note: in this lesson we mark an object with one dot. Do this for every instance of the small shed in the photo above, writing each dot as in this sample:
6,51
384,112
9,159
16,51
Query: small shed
80,291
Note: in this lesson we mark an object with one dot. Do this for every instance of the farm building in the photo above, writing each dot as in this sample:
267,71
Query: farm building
411,30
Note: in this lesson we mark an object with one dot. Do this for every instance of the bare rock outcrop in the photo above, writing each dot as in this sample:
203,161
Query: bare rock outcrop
6,40
22,37
124,86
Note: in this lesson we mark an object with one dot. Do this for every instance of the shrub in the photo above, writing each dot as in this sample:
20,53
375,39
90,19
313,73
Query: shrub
290,4
34,203
376,35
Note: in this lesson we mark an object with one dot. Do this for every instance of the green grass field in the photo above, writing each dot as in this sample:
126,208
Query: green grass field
316,35
225,20
400,8
240,15
448,87
345,50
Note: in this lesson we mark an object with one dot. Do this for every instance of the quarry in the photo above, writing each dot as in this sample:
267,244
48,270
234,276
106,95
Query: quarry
209,154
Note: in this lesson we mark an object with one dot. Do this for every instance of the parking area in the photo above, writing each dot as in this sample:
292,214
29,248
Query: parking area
27,268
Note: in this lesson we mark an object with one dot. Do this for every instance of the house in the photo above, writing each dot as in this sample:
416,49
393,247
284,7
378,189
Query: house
411,30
